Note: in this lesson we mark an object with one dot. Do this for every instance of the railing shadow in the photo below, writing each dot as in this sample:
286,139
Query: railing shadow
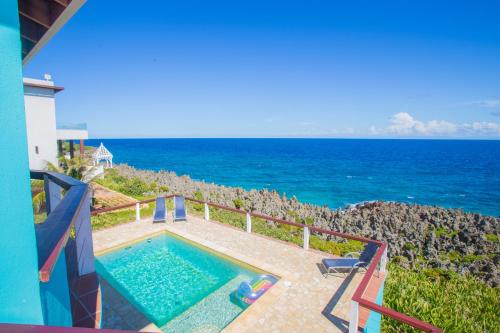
341,324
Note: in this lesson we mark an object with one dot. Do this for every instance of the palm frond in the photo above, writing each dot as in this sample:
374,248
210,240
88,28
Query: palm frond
38,202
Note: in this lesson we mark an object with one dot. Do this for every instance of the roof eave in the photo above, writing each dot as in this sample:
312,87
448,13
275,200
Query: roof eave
72,8
55,88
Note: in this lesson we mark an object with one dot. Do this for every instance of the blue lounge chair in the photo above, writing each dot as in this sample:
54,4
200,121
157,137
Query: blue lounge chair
179,209
160,210
349,262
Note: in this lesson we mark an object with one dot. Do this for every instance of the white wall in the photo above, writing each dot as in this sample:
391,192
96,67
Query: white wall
40,111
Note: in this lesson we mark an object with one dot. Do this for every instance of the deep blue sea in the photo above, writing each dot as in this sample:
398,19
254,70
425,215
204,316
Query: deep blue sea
333,172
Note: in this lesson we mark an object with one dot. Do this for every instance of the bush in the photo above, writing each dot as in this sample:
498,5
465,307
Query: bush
110,219
238,203
134,187
443,298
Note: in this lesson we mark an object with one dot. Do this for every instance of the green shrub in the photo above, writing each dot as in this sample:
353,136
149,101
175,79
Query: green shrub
445,232
198,195
492,238
238,203
458,258
110,219
309,221
194,208
134,187
336,248
443,298
227,217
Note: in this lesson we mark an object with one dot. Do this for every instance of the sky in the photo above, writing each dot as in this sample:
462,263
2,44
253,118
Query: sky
183,68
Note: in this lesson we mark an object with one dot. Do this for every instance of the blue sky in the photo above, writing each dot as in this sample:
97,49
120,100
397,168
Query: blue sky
278,69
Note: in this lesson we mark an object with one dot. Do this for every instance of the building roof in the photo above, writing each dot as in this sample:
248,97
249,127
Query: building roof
45,84
42,19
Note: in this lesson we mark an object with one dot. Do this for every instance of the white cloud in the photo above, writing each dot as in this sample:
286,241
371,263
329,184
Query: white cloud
484,128
404,124
488,103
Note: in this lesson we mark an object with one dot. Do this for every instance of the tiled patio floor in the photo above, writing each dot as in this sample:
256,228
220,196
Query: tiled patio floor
302,301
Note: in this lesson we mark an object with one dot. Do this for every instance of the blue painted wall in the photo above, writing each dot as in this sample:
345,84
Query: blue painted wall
19,287
55,296
373,323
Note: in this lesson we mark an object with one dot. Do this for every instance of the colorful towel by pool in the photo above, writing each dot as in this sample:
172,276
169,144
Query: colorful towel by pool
248,292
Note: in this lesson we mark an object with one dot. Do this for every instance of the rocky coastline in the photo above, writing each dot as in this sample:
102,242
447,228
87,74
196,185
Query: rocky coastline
436,237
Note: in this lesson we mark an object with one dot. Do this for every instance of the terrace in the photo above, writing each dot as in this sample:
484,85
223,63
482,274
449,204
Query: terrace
302,300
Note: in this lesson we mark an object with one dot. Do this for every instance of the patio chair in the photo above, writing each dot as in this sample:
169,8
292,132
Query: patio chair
179,209
160,210
351,261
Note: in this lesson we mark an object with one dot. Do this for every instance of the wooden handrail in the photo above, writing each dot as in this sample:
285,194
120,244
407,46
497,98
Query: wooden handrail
358,293
132,204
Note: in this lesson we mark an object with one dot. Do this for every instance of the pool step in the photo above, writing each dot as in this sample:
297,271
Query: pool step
211,314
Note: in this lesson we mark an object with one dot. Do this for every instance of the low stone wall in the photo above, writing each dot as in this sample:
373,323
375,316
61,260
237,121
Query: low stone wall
444,238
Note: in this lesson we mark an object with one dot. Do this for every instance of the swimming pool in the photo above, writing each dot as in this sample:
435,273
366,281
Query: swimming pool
177,285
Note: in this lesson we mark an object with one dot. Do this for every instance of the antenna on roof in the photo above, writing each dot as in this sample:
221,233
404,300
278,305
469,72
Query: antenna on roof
47,77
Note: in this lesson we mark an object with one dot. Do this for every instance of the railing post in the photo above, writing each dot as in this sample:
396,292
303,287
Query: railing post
249,223
138,212
383,262
307,234
354,317
207,212
52,194
83,239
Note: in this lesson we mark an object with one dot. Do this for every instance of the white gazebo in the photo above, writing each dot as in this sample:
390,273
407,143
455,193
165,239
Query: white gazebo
103,154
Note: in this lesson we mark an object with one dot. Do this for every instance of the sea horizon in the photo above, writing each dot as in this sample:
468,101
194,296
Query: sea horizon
459,173
306,138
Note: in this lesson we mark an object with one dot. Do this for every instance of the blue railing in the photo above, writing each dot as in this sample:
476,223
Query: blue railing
67,126
63,213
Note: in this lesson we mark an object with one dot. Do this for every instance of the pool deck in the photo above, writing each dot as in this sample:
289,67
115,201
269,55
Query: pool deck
303,300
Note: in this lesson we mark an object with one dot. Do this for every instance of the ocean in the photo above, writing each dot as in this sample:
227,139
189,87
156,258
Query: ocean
335,172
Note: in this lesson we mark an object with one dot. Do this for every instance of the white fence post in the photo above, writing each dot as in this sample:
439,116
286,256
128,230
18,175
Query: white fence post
249,223
138,212
207,212
354,317
383,262
307,233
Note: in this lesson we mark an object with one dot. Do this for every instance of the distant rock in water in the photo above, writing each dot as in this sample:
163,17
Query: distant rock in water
445,238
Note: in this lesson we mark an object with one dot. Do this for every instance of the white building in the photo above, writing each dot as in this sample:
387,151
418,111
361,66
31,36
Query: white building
43,133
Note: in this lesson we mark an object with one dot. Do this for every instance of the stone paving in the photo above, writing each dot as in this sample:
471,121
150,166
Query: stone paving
302,301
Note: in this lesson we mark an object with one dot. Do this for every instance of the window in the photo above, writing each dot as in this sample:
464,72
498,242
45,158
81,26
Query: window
36,150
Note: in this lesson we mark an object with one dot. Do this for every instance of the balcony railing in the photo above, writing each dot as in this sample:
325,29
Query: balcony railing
75,126
378,261
68,217
63,213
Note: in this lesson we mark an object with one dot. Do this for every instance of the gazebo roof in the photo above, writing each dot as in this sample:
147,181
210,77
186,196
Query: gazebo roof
102,153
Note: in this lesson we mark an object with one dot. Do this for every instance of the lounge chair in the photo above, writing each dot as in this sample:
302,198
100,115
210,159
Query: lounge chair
179,209
160,210
350,261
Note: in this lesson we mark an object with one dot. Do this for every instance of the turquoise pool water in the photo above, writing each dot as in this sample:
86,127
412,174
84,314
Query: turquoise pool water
178,286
